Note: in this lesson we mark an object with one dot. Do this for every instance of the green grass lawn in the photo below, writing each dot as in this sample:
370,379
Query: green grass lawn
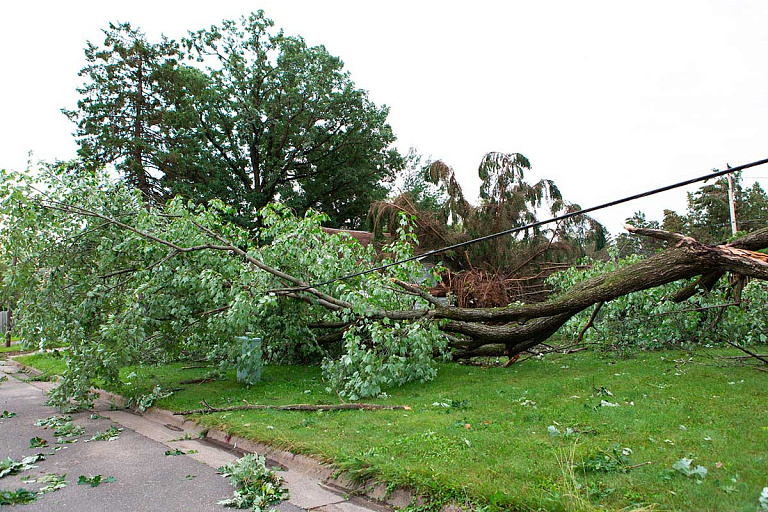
483,436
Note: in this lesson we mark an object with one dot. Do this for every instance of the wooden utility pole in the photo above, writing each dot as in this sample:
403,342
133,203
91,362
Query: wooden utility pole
731,203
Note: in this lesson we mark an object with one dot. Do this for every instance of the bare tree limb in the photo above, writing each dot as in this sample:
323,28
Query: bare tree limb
294,407
415,290
752,354
590,322
704,283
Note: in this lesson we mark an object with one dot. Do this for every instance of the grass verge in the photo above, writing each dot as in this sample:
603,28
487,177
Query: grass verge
16,346
560,433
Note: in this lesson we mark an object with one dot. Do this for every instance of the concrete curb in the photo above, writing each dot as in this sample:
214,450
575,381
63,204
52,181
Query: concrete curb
374,495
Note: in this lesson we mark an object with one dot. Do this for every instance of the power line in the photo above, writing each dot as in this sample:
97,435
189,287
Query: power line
532,225
721,224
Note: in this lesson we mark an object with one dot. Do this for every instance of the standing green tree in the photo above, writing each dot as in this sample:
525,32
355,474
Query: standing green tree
708,217
752,211
254,116
121,114
287,121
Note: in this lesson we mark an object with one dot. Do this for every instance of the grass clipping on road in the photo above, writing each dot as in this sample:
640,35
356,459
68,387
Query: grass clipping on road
667,428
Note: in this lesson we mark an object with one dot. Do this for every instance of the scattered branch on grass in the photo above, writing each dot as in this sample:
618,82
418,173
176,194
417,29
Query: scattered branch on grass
756,356
293,407
743,357
570,348
638,465
199,381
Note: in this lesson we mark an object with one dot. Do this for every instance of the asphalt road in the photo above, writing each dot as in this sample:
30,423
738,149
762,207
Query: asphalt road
145,478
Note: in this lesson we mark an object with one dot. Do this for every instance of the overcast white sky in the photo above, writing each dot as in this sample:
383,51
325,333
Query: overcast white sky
606,98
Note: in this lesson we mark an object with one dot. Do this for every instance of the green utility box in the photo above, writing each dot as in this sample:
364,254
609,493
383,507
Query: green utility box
249,363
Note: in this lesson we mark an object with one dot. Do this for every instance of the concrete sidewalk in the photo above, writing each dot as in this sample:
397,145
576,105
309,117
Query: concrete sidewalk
145,478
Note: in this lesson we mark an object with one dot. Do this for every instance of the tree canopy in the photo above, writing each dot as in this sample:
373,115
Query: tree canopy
122,114
708,216
240,112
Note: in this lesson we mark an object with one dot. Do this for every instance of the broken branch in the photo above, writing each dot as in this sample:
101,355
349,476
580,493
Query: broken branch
756,356
294,407
590,322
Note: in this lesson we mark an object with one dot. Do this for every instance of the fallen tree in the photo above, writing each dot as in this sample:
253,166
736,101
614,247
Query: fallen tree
522,327
122,284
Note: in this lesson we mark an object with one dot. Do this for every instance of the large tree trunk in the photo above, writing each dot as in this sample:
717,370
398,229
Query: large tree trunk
137,167
521,327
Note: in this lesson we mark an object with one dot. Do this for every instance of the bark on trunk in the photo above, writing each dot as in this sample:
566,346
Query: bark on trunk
521,327
138,155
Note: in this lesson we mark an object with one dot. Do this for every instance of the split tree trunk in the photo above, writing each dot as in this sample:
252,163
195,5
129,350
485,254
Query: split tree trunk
521,327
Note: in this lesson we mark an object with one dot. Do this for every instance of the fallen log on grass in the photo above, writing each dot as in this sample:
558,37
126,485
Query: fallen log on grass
293,407
205,380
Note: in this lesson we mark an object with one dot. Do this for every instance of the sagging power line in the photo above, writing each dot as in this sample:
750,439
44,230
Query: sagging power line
532,225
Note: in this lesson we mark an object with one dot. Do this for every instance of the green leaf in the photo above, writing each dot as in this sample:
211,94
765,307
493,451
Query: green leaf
684,466
18,497
8,466
94,480
53,482
256,486
37,442
110,434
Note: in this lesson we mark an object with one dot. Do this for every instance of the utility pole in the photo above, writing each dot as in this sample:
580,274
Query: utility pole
731,202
